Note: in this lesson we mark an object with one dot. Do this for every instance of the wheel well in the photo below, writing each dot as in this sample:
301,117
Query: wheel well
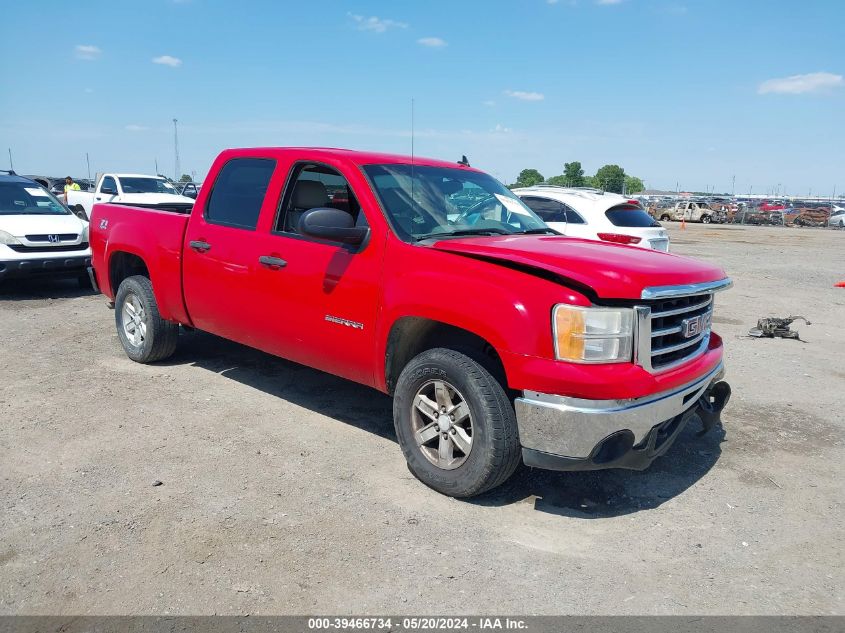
411,336
123,265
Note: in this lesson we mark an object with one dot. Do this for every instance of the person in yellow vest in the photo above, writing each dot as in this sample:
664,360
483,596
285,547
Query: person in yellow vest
70,186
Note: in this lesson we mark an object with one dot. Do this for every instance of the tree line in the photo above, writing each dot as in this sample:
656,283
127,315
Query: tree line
608,178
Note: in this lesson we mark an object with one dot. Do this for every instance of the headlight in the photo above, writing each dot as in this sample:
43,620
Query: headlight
8,238
593,335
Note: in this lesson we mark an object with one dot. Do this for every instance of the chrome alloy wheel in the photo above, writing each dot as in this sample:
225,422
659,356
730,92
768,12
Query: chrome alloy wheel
134,320
442,424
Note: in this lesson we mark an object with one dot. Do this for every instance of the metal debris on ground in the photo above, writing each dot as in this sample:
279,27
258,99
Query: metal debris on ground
770,327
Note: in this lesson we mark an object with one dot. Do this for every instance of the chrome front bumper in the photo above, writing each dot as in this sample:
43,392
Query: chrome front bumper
573,429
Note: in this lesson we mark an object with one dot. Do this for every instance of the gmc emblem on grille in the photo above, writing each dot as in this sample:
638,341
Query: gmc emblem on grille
53,239
695,325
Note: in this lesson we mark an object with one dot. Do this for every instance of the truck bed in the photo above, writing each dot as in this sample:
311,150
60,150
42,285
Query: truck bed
154,234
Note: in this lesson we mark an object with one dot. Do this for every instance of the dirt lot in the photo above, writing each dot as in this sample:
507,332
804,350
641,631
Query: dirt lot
284,491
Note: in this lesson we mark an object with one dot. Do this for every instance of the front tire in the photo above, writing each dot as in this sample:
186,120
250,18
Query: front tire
145,336
455,424
664,218
705,219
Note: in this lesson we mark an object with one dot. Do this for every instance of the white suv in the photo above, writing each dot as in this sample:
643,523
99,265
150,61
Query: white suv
39,235
837,216
595,215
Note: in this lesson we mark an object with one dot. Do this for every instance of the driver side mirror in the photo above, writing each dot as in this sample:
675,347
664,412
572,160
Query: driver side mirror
330,224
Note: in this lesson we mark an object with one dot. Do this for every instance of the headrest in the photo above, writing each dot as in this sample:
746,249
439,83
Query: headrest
310,194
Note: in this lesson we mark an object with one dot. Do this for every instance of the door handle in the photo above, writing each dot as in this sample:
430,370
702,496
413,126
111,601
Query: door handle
272,262
99,198
199,245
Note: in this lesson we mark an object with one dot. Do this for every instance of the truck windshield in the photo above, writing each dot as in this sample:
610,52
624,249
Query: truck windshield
20,198
423,202
146,185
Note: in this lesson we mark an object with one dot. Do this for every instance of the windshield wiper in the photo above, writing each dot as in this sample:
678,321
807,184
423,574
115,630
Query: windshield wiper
537,231
488,231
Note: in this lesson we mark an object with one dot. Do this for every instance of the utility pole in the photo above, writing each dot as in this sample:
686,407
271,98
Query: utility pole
733,185
11,164
88,162
156,160
176,151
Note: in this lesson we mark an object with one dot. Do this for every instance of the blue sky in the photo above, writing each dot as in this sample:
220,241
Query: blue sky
676,91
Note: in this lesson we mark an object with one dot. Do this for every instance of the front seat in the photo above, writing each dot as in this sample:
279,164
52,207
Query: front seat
307,194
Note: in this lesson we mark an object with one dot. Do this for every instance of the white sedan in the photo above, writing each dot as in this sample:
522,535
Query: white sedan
595,215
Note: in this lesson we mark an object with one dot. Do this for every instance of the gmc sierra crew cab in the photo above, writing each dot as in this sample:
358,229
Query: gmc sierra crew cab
498,339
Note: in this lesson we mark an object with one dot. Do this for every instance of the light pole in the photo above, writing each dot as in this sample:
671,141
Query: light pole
176,151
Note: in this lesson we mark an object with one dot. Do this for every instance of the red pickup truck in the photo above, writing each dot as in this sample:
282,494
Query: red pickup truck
498,339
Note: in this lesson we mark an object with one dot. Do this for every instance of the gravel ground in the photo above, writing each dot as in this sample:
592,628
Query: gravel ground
284,492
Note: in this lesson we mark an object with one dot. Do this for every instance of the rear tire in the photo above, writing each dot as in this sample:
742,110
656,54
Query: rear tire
145,336
480,412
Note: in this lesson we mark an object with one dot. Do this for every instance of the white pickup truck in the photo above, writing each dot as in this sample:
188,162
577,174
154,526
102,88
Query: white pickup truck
137,190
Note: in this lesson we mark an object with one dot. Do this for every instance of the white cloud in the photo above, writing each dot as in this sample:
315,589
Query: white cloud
167,60
525,96
376,24
501,129
608,1
86,51
801,84
432,42
136,128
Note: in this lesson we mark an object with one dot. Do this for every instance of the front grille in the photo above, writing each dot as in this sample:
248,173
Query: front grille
20,248
663,343
43,237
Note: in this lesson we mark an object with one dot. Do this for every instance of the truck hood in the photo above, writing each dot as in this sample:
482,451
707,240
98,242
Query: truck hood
611,271
20,225
147,199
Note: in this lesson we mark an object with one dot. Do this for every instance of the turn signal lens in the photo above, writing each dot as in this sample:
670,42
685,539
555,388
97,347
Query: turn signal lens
593,335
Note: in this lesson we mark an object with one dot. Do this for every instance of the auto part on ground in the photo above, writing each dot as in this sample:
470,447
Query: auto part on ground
771,327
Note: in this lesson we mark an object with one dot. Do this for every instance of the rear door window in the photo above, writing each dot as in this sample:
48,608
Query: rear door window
238,192
629,215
